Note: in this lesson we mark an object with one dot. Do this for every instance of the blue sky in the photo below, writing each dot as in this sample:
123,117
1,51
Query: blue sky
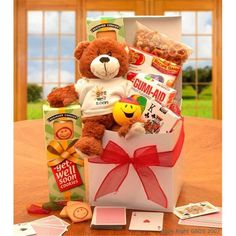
51,47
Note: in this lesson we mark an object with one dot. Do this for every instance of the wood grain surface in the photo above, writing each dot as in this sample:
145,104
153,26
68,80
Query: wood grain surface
202,176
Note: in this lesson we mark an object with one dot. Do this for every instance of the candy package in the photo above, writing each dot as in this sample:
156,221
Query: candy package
164,71
161,45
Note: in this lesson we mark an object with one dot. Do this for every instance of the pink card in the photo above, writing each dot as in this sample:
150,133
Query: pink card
51,220
49,231
108,216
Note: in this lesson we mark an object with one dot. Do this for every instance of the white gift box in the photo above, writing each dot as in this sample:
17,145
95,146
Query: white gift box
131,193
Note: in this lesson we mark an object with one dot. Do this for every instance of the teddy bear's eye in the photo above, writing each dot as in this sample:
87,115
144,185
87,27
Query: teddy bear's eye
109,53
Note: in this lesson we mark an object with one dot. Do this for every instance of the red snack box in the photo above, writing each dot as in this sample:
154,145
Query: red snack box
149,87
142,62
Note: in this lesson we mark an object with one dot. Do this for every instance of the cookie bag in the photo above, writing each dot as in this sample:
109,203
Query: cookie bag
161,45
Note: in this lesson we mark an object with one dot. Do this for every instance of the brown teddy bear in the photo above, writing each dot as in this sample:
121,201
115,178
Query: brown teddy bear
103,64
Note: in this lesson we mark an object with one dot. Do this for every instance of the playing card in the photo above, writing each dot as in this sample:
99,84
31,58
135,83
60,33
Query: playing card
48,231
146,221
211,220
50,226
108,217
195,209
51,220
23,229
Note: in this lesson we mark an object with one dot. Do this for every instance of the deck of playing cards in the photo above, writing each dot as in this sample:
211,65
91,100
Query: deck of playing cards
50,226
108,217
146,221
23,229
195,209
211,220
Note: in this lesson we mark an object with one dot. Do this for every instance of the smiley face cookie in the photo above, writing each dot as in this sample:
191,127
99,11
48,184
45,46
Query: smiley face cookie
79,212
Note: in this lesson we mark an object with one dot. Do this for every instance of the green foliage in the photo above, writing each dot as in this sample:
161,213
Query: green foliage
204,75
200,108
35,110
34,92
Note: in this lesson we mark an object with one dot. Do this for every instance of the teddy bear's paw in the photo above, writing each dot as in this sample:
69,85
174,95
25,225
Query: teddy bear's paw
81,154
61,97
88,146
135,130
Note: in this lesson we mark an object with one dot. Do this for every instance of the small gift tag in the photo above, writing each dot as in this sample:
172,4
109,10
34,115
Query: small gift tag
66,175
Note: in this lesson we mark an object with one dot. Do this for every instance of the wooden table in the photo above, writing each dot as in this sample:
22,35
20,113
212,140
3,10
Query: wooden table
202,165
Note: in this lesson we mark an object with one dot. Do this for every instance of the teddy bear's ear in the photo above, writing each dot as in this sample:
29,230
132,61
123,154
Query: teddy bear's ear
80,48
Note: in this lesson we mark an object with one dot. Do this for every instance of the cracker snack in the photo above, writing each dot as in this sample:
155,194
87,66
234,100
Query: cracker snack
161,45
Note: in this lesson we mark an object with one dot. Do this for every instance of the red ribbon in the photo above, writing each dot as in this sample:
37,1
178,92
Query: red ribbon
143,158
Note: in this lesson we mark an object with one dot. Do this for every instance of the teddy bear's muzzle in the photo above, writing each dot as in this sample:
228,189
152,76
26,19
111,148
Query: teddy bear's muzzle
105,67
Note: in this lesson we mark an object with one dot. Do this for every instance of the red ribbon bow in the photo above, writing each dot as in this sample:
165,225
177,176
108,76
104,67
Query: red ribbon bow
143,158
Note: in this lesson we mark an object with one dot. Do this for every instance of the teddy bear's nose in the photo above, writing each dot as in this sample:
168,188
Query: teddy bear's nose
104,59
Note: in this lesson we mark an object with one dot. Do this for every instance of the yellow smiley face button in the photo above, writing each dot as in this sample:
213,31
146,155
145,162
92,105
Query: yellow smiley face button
126,110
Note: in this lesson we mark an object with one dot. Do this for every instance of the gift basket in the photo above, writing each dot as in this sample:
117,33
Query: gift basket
145,172
130,147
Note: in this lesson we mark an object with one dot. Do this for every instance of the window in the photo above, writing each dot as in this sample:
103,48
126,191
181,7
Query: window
110,13
52,23
51,41
197,71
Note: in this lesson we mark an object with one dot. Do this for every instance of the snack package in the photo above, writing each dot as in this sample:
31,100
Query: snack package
63,127
161,45
158,119
149,87
164,71
110,27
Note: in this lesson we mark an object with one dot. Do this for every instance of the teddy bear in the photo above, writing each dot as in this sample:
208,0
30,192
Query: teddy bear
103,63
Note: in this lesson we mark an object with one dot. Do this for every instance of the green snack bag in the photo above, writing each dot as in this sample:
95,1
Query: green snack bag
63,128
110,27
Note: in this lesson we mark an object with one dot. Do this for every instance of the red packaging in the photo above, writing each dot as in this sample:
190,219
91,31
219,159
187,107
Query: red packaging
164,71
